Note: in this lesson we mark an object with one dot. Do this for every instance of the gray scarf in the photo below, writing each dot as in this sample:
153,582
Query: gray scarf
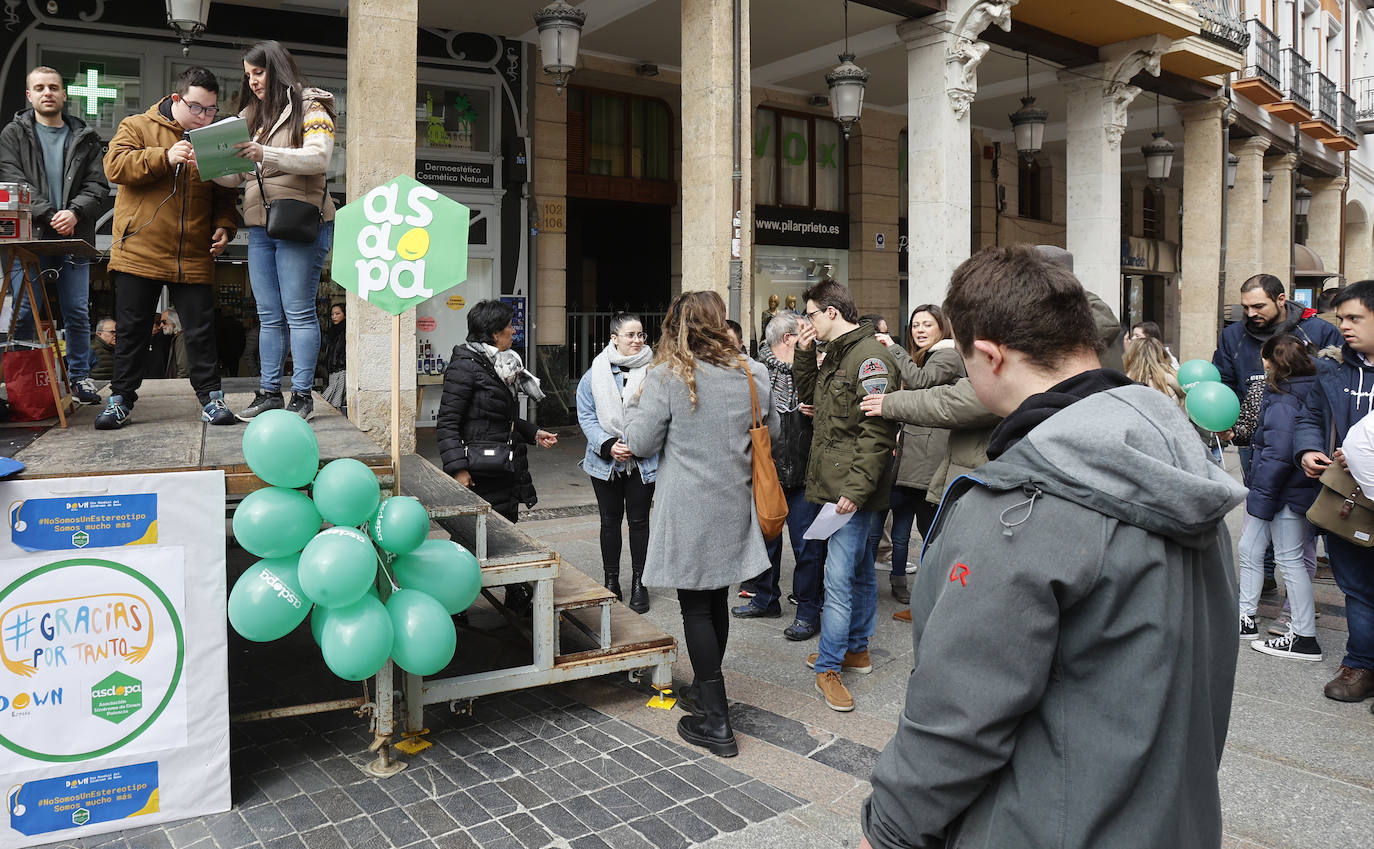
511,369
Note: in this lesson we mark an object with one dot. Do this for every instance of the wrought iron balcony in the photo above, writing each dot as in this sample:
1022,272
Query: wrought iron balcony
1349,127
1295,79
1324,101
1362,89
1259,80
1221,23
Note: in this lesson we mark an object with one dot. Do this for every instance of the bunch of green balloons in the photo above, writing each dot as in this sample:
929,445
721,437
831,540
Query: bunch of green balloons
1211,404
335,571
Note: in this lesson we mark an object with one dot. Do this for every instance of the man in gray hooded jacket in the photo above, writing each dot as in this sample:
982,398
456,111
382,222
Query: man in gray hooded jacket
1072,617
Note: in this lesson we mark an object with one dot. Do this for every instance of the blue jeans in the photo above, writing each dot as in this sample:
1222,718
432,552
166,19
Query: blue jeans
1289,532
286,277
851,592
1353,569
810,557
73,298
909,507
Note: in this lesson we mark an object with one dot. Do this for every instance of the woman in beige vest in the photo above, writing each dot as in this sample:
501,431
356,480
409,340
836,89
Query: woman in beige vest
291,132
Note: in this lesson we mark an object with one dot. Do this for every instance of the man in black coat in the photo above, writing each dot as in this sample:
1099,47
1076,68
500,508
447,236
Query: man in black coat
59,157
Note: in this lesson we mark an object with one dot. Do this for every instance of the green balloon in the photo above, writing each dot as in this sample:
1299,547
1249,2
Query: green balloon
281,448
346,492
267,602
401,524
275,521
356,640
443,569
1213,406
1193,372
319,613
337,567
424,638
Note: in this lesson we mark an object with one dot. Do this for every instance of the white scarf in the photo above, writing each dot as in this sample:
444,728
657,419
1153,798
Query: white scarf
510,368
609,397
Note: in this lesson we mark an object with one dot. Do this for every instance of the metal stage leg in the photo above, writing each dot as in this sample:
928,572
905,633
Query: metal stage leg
385,725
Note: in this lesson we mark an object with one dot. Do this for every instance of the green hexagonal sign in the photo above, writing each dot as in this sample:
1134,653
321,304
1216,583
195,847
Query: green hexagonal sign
117,697
400,244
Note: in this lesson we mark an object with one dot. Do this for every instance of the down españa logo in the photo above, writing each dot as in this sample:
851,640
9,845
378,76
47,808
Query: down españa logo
95,649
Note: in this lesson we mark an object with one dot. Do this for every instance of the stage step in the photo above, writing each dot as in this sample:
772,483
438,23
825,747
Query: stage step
630,634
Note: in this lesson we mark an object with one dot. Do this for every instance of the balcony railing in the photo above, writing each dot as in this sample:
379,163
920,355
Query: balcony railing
1349,123
1324,103
1221,22
1363,91
1295,78
1262,54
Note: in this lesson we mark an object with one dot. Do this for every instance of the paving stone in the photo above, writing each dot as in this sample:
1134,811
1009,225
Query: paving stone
624,837
661,754
324,837
531,834
518,760
635,761
230,831
618,802
404,790
310,778
459,773
623,731
342,770
455,840
693,827
611,771
644,793
334,803
741,803
719,816
522,791
848,756
699,778
485,737
560,820
493,835
553,784
266,821
512,731
576,749
596,738
276,784
432,781
770,796
205,842
595,816
783,732
464,809
246,793
489,765
582,778
369,796
360,832
187,834
564,720
461,744
590,715
399,828
672,785
546,752
430,816
732,777
496,801
301,813
591,841
289,841
659,833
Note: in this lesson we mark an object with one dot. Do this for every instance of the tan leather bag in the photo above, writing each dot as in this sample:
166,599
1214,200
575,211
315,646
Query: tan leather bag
1342,509
769,501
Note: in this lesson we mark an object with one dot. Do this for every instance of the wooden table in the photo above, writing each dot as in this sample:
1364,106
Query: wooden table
27,253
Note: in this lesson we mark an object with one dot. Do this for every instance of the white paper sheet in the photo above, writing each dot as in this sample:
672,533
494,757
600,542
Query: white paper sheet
827,523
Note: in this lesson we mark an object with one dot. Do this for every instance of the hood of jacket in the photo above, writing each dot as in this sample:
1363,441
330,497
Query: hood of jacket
1128,453
1294,315
76,126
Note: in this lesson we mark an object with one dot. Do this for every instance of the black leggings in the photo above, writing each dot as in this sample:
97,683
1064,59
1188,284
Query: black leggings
614,498
706,626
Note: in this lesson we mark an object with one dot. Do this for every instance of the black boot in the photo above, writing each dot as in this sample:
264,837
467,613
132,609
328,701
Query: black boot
639,597
712,730
689,699
612,582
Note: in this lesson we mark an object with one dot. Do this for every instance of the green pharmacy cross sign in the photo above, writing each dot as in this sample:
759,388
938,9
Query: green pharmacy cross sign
93,92
400,245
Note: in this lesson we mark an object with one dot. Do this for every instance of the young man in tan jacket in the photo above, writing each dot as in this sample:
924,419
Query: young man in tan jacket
168,227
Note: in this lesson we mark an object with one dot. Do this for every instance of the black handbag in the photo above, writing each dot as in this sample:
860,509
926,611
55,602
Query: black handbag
491,458
290,219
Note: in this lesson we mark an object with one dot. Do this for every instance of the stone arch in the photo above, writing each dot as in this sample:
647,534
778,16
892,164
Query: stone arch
1359,241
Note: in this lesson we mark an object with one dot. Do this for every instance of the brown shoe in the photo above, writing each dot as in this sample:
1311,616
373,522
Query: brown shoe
1350,685
853,661
903,615
836,694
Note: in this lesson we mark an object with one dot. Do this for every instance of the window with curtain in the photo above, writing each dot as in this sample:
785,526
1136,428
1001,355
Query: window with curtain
651,140
615,135
799,160
765,157
795,171
605,135
829,167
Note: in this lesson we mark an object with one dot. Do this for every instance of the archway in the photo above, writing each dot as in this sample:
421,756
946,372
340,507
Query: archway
1359,242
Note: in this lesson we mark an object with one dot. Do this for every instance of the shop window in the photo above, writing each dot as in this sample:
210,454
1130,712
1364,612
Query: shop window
1034,189
1152,212
453,118
799,161
101,90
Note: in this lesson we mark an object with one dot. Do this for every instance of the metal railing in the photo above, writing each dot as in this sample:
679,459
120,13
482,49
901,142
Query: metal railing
1295,78
1363,90
1262,53
588,333
1324,103
1349,127
1221,22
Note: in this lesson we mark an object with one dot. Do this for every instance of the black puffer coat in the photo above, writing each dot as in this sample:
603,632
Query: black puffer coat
478,406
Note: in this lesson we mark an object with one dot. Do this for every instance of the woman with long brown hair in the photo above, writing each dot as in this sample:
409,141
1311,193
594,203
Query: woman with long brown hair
1147,362
694,410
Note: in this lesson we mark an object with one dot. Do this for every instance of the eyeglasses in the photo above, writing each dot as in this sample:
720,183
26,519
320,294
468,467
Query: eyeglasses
197,109
633,337
809,315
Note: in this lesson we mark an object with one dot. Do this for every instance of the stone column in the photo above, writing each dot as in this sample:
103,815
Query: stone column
943,55
1324,222
1276,254
708,102
381,145
1096,118
872,189
1245,213
1359,244
1202,186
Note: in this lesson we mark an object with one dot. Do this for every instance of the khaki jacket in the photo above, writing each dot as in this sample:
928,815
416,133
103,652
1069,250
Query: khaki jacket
851,453
923,450
163,221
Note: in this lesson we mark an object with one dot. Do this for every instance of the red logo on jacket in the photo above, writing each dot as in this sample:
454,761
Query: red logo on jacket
959,573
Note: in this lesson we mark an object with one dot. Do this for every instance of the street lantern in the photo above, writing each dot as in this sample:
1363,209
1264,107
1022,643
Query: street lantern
1232,166
846,84
187,18
1268,184
1302,202
1028,123
1159,157
560,30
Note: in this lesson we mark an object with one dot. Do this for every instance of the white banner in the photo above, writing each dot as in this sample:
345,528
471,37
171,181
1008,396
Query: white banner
113,654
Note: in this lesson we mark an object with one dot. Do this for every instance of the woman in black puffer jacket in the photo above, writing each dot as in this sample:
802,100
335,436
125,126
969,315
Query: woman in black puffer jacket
479,408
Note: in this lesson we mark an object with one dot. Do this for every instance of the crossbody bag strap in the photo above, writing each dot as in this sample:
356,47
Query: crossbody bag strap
757,416
262,189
